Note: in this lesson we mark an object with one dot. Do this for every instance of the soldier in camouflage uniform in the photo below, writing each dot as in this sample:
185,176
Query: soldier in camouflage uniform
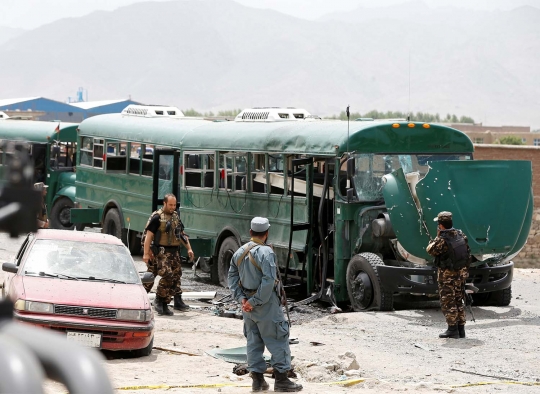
163,237
452,258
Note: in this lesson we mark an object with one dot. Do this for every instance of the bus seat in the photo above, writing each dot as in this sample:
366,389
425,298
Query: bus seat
209,179
193,161
193,179
241,182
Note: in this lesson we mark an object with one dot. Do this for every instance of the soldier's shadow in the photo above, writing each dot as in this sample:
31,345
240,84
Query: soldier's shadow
486,318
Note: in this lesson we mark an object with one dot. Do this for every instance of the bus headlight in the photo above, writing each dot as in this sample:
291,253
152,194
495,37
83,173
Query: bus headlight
134,314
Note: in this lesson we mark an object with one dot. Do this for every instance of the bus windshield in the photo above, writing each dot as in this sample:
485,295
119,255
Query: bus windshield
370,169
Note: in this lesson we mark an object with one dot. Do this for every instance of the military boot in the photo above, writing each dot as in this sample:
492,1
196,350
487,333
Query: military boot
179,303
166,310
451,332
259,384
461,330
158,305
283,384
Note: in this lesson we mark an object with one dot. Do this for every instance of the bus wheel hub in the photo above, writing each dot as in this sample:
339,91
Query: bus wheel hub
363,290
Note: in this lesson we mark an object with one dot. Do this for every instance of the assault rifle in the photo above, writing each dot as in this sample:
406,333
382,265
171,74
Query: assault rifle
468,289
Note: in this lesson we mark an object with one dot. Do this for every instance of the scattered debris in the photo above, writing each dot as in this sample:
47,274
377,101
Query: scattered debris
314,343
480,374
424,347
174,351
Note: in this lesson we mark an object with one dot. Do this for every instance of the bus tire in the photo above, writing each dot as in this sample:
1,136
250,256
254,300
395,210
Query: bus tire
135,247
501,297
60,218
226,251
112,224
364,285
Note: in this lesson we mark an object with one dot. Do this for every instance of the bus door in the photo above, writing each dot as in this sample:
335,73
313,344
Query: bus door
165,176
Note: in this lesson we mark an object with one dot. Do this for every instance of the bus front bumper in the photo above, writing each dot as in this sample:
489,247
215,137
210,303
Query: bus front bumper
424,280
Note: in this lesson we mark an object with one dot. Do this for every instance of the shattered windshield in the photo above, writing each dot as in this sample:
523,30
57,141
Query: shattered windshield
81,260
370,169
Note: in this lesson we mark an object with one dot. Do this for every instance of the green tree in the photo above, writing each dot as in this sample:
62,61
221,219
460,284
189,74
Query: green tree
510,140
191,112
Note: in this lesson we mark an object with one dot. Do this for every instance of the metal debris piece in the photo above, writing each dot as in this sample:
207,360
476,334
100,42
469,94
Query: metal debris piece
315,343
174,351
424,347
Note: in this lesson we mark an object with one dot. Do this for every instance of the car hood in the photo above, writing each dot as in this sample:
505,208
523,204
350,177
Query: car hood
491,202
86,293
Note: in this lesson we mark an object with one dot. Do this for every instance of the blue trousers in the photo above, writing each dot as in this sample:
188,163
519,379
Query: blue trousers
266,326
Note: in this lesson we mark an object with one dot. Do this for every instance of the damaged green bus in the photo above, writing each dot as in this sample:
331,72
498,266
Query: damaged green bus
52,149
351,209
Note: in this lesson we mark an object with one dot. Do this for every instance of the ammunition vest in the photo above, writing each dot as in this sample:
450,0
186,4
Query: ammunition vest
168,238
162,238
457,253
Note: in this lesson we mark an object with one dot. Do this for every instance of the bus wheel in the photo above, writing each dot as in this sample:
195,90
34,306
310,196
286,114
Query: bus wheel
226,251
501,297
112,224
60,217
134,243
364,286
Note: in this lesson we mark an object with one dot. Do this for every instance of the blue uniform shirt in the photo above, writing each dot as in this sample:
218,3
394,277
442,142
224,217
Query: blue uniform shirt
245,275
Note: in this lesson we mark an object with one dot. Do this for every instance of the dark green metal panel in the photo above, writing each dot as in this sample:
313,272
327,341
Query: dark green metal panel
85,215
35,131
201,247
490,202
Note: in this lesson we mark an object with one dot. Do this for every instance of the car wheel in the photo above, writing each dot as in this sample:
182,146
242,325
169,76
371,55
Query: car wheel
60,214
112,224
226,251
144,351
364,285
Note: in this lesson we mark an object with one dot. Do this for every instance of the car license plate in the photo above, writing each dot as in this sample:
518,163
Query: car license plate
84,338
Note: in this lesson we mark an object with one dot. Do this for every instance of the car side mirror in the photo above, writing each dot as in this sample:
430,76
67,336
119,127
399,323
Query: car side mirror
10,267
148,277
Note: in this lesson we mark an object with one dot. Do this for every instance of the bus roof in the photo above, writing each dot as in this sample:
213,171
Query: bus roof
326,138
36,131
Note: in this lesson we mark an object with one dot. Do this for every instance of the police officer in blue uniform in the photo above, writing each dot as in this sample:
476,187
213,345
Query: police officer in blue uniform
253,280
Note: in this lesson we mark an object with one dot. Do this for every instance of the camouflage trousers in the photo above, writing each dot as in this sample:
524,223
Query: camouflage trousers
451,294
168,266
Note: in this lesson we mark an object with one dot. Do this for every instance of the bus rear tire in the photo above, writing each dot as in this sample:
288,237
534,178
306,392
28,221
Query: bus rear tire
134,243
60,218
226,251
364,285
112,224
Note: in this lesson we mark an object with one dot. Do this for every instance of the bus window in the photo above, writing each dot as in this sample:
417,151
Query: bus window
258,172
275,172
134,159
199,169
147,159
235,166
99,154
87,151
116,156
1,154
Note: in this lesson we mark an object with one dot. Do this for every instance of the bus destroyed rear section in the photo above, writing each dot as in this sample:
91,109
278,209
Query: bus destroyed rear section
491,202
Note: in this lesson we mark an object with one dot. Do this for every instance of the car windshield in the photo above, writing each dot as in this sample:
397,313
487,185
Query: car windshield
82,260
370,168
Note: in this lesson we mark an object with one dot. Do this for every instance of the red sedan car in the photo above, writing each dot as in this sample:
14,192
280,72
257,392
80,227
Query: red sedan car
84,285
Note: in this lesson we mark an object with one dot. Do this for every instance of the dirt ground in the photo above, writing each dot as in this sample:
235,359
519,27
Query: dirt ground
383,352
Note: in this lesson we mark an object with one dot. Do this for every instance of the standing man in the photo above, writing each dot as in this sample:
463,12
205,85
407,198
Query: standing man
253,279
452,258
42,220
163,235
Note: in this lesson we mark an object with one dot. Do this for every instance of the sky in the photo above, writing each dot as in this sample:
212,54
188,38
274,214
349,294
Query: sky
29,14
